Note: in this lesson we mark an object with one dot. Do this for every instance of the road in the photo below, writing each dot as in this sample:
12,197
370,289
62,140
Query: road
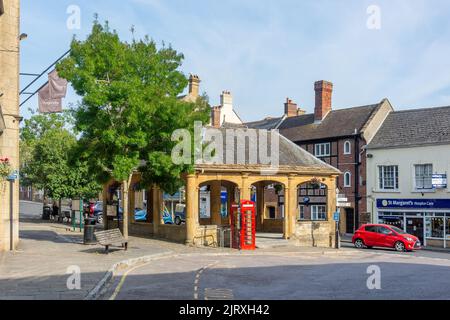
286,276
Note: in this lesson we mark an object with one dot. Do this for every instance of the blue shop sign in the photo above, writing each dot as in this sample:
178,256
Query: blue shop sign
413,203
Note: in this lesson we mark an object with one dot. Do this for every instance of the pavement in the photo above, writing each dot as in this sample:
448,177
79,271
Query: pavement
48,255
51,258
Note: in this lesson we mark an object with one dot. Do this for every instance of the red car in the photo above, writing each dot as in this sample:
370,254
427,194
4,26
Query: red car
382,235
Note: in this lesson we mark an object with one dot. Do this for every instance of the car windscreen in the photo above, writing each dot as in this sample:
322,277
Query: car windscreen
398,230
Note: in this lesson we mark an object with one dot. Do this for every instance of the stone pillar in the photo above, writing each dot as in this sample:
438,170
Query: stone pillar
286,213
216,218
260,206
245,189
191,208
293,206
156,200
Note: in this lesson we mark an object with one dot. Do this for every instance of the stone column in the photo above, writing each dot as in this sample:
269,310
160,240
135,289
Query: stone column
286,213
215,199
191,208
293,206
245,189
260,206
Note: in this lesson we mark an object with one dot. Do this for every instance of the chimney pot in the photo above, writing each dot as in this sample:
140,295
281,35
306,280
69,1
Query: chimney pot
290,108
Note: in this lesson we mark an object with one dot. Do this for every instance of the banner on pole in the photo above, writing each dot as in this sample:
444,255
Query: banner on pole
57,85
46,103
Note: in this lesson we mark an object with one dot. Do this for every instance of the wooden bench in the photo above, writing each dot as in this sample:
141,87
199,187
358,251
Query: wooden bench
111,237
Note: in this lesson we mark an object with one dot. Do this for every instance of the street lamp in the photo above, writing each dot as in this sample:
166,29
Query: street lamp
11,178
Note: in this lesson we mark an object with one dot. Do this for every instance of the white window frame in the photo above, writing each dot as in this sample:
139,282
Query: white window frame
417,186
347,145
382,178
349,183
315,212
301,212
322,149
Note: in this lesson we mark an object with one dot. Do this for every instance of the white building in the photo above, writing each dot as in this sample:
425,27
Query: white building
407,167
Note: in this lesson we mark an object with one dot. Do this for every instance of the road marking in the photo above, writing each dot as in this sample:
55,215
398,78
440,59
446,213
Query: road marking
122,280
197,278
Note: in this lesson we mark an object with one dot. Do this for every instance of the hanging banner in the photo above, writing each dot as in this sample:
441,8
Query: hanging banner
46,103
57,85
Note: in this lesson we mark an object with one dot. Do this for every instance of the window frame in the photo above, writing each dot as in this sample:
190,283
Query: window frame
347,144
349,175
424,167
315,213
320,149
382,185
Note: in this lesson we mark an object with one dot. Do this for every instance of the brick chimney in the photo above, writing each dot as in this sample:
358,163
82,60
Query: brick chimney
290,108
215,117
324,92
194,85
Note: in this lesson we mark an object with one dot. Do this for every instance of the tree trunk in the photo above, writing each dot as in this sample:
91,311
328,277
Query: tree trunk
126,187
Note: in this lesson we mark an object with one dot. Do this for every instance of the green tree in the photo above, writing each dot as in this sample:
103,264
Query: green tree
48,158
129,107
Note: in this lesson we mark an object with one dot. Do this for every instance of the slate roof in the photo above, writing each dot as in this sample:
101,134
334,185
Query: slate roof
414,128
338,123
267,124
290,154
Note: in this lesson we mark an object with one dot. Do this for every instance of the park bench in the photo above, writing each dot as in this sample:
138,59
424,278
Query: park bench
111,237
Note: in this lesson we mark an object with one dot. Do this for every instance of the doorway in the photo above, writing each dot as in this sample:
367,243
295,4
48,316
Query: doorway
414,226
350,222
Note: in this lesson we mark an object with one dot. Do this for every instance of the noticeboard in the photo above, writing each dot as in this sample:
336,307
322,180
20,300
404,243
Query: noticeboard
111,210
439,181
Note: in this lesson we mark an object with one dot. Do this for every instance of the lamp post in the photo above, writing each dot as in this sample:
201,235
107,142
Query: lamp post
11,178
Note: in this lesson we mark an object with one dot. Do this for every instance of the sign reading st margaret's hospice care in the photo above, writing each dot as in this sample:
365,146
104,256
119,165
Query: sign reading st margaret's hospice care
413,203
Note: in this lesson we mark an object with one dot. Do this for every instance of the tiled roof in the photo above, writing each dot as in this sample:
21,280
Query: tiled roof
290,155
338,123
414,127
268,123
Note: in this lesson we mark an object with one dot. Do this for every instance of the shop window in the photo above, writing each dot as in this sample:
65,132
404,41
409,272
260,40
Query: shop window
347,179
319,212
434,228
388,177
347,147
424,174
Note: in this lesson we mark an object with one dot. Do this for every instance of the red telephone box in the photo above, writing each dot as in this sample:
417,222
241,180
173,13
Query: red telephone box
243,225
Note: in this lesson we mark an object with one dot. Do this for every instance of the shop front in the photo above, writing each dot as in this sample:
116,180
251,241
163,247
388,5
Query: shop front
428,219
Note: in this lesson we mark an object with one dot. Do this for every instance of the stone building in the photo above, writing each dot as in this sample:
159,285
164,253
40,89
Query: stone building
9,114
295,168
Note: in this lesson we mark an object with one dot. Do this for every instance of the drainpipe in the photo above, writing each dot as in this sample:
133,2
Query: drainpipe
356,182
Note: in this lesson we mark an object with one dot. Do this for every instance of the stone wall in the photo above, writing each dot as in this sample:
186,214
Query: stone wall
273,225
206,236
9,103
314,234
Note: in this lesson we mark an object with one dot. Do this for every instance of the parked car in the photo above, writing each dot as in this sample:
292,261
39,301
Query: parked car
180,214
382,235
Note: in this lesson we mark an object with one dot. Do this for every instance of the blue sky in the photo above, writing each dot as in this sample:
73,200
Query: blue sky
266,50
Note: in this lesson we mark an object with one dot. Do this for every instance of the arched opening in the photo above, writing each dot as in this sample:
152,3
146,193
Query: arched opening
269,197
312,201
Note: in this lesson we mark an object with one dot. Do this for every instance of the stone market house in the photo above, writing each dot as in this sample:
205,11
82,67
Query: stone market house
297,171
408,162
338,137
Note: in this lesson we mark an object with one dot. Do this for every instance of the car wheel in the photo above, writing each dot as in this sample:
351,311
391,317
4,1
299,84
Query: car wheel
177,221
399,246
359,244
100,219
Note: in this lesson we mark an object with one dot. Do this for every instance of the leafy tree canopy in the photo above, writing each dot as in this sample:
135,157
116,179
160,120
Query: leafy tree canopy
129,106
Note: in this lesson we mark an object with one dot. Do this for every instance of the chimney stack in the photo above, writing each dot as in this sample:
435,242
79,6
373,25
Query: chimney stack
226,99
194,85
324,92
290,108
215,117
